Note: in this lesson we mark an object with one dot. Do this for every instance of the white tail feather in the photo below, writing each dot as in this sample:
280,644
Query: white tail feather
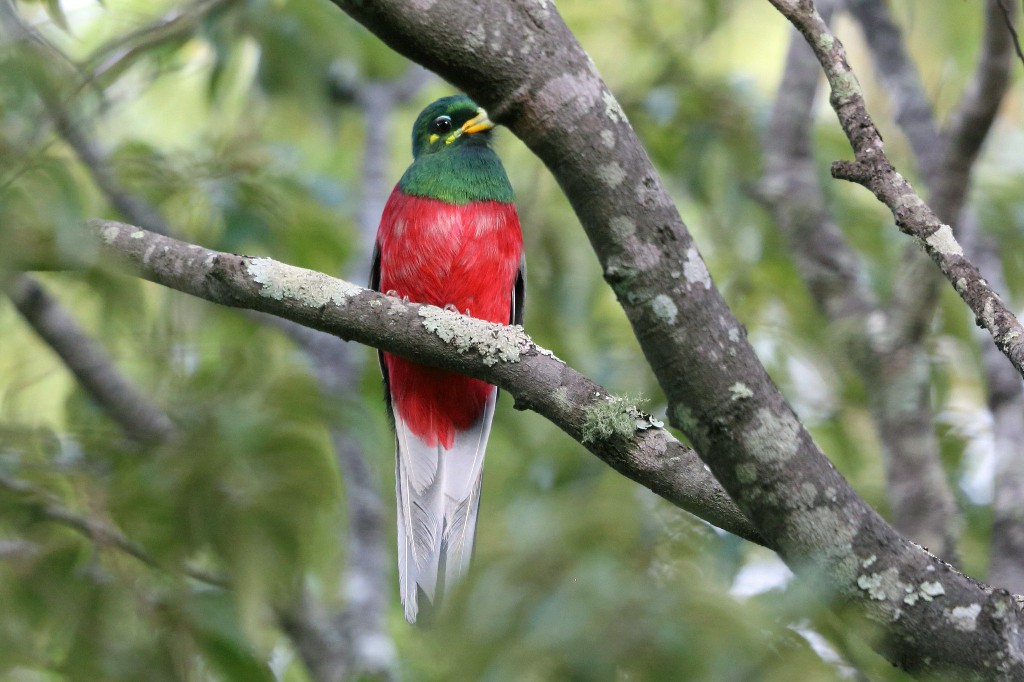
438,492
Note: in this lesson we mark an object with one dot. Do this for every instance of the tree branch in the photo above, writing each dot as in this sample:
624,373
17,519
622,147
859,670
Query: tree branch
921,501
946,160
1008,16
628,440
138,416
100,534
874,171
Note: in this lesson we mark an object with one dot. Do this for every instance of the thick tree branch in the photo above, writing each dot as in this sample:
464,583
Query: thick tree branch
621,436
524,65
874,171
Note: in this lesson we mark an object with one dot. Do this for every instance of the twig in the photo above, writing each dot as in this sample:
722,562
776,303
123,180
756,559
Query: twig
1012,29
99,533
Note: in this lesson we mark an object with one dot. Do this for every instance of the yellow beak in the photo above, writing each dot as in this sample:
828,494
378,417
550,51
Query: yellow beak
477,124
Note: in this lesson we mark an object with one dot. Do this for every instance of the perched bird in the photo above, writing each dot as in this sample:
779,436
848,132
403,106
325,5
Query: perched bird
449,236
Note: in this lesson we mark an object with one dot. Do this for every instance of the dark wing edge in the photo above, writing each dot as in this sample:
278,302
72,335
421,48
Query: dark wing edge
519,293
374,284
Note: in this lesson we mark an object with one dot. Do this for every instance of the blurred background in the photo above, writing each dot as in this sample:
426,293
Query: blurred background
237,549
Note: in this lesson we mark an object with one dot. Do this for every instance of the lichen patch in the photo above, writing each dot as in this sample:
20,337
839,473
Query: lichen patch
694,269
611,174
943,241
622,226
612,108
494,342
740,391
965,618
664,309
310,288
773,437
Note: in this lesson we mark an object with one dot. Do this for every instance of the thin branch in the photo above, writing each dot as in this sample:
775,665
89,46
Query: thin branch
118,54
921,501
1012,29
874,171
100,534
945,160
127,204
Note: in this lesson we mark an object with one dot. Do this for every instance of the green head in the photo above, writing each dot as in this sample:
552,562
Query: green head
452,156
450,123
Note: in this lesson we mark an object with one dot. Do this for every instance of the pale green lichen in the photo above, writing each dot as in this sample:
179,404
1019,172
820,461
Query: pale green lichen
495,343
740,391
909,200
612,108
775,437
664,309
872,584
606,417
844,86
685,418
615,415
925,592
943,241
110,233
611,174
138,234
622,226
311,288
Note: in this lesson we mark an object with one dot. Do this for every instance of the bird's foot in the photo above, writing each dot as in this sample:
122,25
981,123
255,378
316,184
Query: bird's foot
452,308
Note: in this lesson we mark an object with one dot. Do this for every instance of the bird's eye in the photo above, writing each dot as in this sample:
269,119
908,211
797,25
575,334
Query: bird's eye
441,125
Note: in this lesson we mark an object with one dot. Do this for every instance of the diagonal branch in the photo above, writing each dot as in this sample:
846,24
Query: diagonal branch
1008,16
135,413
922,503
631,442
874,171
102,535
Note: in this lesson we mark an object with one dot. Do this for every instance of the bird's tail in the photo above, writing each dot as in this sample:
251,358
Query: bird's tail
438,491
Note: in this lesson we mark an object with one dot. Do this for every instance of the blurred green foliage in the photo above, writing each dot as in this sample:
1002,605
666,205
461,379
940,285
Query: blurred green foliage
231,131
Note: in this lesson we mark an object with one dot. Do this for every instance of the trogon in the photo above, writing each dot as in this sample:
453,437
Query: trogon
449,236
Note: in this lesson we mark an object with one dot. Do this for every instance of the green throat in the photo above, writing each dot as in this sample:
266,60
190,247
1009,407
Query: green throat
458,175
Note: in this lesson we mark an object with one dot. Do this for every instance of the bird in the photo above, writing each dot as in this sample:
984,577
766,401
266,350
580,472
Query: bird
449,236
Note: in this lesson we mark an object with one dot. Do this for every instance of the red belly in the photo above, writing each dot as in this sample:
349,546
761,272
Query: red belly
467,256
